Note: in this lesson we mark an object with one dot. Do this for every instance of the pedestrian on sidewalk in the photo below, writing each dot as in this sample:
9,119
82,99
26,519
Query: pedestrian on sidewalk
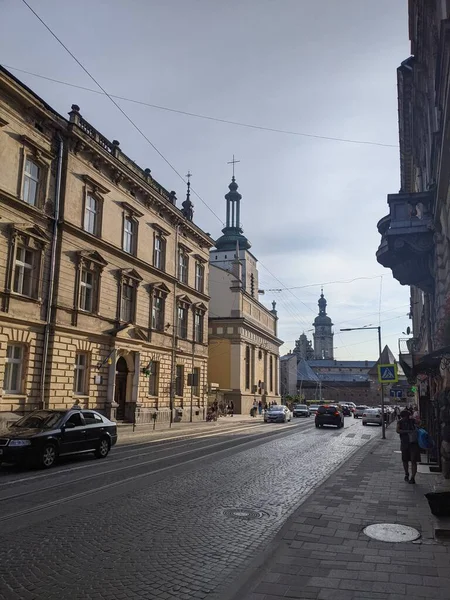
409,446
260,407
231,408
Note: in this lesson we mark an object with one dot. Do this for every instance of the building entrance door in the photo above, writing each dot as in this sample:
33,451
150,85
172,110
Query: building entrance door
121,387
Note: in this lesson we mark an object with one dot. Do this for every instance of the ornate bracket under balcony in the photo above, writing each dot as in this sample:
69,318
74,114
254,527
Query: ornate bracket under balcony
407,239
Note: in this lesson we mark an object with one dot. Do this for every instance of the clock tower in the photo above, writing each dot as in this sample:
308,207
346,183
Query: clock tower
323,332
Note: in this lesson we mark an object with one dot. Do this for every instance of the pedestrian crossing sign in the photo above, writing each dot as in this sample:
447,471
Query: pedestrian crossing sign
387,373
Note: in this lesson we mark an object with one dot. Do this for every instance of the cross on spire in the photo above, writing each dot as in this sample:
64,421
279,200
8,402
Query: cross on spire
188,176
233,162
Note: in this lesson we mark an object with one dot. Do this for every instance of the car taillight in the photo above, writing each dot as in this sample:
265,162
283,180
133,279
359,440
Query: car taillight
336,414
364,415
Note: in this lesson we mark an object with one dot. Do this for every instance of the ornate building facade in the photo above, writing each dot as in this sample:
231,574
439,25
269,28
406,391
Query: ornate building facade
415,235
243,341
103,279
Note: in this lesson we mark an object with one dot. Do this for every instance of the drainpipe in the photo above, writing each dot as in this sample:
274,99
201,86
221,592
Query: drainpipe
48,309
174,333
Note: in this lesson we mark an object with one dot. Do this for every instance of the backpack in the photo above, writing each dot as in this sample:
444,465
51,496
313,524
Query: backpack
424,439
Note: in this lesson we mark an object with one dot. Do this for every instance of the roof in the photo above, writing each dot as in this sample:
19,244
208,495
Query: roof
344,364
304,371
386,358
344,377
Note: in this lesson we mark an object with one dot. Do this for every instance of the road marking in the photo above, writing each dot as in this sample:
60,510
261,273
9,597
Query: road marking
92,491
116,470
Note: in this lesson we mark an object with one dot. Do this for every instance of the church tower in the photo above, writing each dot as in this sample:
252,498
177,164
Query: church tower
233,242
323,332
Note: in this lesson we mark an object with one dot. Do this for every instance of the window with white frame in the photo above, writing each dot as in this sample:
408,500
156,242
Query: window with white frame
91,214
199,277
127,304
153,378
198,326
14,369
159,252
129,234
183,265
25,280
87,290
80,383
158,311
182,321
31,176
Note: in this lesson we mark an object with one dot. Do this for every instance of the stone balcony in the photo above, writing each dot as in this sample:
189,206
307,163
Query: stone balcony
407,239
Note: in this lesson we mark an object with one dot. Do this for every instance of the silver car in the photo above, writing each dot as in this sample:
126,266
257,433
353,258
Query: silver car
372,415
360,410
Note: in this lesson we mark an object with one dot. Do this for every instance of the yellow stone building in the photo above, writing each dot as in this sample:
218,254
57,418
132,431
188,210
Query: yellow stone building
103,279
243,342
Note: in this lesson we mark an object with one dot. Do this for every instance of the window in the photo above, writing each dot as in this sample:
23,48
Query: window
12,383
198,326
92,418
31,182
183,265
76,419
158,313
247,367
179,380
91,215
80,379
196,386
182,324
129,235
127,302
199,277
87,283
24,272
153,378
159,252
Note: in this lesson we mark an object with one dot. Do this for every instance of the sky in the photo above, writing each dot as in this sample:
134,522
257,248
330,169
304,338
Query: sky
318,67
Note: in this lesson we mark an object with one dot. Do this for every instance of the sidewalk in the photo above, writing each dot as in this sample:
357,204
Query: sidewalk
126,435
322,553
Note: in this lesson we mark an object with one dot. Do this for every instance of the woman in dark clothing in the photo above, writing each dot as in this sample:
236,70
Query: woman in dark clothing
409,446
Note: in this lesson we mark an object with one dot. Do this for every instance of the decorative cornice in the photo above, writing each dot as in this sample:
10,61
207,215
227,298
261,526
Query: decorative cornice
97,187
131,209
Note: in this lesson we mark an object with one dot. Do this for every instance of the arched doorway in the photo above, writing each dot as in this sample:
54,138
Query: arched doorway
121,387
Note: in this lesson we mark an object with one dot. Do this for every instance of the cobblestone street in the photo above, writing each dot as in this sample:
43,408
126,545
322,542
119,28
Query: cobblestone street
176,519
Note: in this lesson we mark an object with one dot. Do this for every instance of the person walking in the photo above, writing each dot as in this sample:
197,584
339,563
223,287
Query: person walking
260,407
231,408
409,446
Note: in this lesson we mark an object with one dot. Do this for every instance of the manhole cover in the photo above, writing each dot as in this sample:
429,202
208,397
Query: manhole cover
391,532
244,514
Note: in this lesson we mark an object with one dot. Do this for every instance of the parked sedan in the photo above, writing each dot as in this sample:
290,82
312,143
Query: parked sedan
372,415
277,414
44,435
301,410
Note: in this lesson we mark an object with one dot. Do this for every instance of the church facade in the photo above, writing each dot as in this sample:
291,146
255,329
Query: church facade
243,361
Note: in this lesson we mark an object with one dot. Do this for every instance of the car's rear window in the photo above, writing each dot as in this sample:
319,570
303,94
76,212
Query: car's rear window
373,411
300,406
327,410
361,407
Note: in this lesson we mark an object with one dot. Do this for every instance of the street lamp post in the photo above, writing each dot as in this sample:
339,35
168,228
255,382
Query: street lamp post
378,328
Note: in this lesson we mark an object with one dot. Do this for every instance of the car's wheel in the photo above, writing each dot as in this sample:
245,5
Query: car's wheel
364,424
48,456
103,448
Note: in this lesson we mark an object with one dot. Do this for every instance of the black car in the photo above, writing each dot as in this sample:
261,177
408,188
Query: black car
346,411
44,435
329,415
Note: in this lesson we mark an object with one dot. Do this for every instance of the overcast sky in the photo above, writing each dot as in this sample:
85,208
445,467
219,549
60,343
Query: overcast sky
321,67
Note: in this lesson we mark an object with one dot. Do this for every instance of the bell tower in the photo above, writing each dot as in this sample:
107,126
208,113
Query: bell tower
323,332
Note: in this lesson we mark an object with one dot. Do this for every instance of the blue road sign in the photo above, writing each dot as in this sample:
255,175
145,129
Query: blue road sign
387,373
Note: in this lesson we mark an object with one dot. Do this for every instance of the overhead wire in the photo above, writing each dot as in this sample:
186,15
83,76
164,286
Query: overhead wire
206,117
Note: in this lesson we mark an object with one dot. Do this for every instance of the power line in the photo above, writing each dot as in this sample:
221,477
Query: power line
301,287
198,115
118,107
